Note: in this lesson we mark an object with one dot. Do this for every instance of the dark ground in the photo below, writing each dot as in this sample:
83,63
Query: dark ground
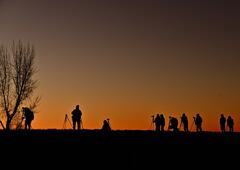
120,149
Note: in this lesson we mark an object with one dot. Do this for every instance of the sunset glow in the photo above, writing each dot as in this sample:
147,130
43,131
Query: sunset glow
130,59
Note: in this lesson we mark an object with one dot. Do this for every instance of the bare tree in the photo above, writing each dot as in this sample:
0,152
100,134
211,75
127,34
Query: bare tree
16,80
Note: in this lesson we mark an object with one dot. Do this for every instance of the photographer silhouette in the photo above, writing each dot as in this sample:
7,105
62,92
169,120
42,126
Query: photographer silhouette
198,122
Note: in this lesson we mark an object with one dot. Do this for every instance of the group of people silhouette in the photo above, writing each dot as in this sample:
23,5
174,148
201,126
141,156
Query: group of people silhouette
77,120
229,122
159,121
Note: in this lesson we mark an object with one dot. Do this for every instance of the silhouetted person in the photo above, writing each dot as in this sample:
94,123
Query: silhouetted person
230,123
173,124
198,122
76,117
184,121
157,122
29,116
222,123
162,122
106,126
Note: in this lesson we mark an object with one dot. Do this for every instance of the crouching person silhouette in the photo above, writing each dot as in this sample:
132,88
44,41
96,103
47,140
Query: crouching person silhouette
173,124
106,126
28,115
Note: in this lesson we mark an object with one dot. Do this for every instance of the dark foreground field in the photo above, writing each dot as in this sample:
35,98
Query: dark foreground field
120,149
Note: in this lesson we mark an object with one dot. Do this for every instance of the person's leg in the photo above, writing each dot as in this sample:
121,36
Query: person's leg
78,124
25,125
74,124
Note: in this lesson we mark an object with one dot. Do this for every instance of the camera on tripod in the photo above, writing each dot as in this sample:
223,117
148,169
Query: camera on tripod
152,118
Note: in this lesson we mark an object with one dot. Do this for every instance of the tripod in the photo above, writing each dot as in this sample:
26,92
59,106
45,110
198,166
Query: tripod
152,123
180,125
81,124
66,120
192,123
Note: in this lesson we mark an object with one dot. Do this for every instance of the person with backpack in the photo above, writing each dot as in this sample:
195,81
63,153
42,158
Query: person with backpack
28,115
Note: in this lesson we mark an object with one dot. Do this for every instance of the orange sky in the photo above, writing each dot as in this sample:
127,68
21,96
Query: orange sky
128,60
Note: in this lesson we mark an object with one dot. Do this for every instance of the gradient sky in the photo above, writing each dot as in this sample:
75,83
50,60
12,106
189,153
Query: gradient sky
129,59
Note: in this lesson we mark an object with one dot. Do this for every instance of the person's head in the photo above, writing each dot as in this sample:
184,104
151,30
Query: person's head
77,107
183,114
221,115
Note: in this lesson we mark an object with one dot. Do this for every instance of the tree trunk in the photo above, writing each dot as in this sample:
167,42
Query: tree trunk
8,123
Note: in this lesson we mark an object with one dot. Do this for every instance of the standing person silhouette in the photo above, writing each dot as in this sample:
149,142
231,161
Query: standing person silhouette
162,122
222,123
29,116
76,117
198,122
157,122
184,121
230,123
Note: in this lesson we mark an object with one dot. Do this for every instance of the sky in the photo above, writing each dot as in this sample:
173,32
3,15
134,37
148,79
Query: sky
128,60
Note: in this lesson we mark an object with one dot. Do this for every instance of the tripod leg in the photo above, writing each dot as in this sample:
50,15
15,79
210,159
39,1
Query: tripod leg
81,124
69,122
191,126
152,126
